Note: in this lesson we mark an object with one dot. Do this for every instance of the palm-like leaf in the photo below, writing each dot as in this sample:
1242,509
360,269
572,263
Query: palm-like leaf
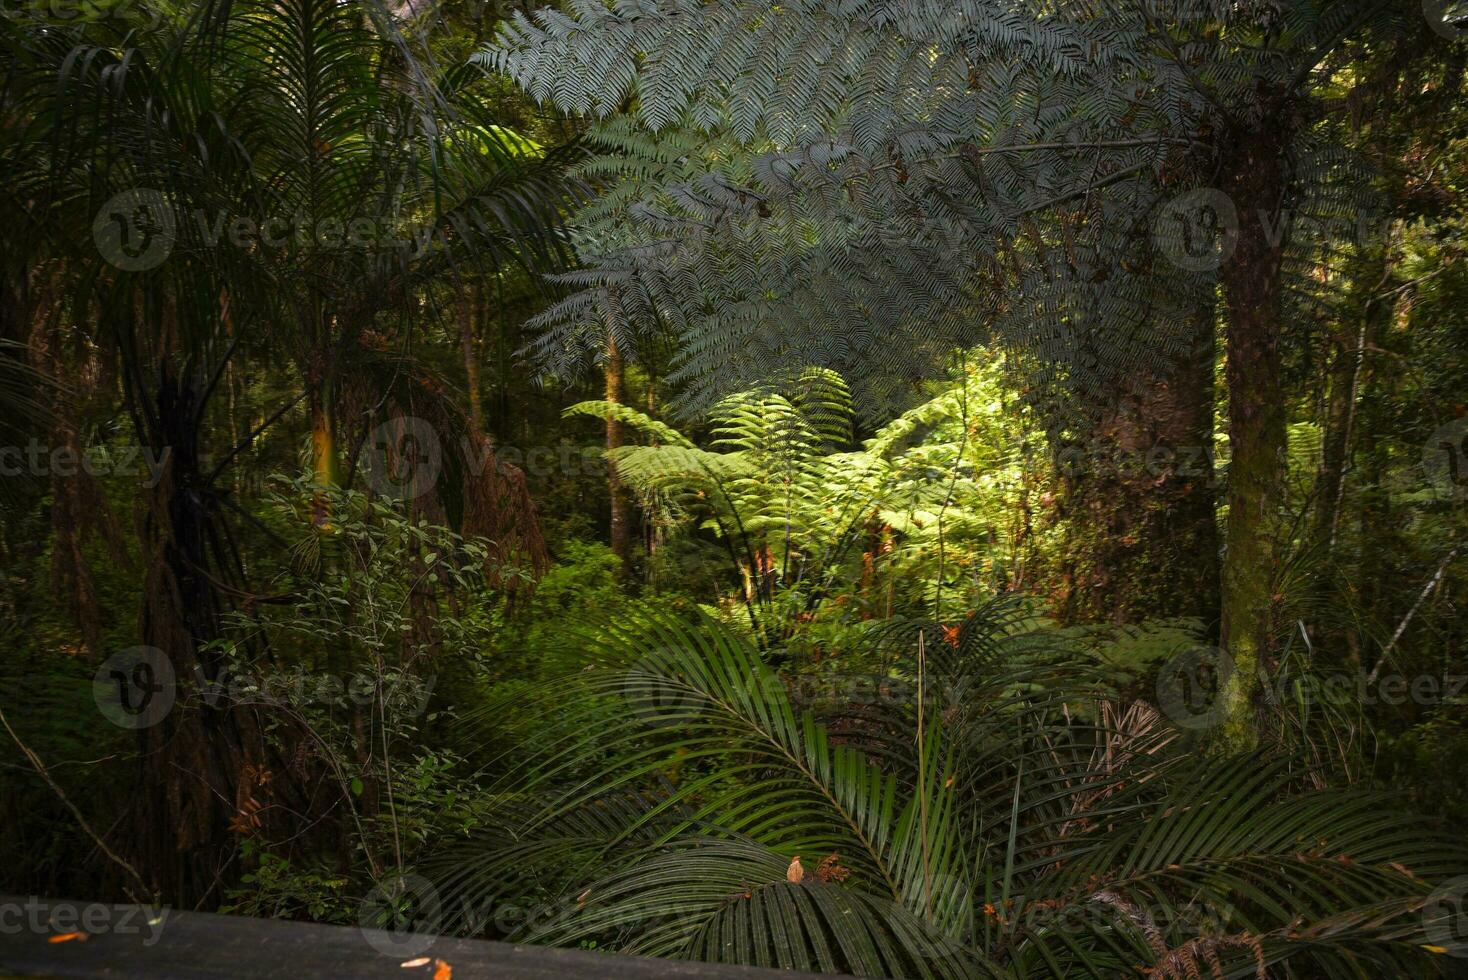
990,831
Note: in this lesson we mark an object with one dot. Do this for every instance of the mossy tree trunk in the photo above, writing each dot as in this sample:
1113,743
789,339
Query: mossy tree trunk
1257,183
1138,500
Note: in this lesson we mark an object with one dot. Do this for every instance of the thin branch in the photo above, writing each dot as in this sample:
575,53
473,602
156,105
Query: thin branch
251,438
40,768
1421,597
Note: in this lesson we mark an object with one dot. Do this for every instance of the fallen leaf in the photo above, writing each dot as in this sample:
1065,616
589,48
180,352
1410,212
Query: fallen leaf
67,937
442,970
420,961
795,874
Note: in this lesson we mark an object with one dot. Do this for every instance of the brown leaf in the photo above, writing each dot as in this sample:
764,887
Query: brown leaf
795,874
67,937
442,970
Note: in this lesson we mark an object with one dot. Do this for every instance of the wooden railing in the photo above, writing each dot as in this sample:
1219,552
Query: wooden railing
41,937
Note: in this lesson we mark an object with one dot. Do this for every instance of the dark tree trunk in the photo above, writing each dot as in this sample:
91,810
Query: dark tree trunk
471,319
1257,183
203,764
1138,502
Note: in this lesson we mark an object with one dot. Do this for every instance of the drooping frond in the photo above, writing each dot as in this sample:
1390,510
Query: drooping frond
865,186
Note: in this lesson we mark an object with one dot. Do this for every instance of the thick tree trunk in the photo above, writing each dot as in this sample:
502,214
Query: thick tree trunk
1138,503
1256,408
621,518
204,770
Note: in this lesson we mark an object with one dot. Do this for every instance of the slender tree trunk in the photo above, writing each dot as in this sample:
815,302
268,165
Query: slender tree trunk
1138,502
324,472
471,308
1339,397
323,441
1257,184
1347,374
650,512
320,403
621,518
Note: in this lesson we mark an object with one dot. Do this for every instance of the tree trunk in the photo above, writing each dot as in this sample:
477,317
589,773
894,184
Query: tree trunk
1347,372
1138,503
203,760
471,307
650,512
1256,408
325,470
621,522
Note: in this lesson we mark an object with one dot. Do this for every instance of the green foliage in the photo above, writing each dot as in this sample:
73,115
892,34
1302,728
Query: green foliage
974,827
380,601
276,889
867,186
923,505
870,187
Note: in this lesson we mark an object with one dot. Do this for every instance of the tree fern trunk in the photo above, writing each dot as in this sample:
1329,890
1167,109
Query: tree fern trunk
621,522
